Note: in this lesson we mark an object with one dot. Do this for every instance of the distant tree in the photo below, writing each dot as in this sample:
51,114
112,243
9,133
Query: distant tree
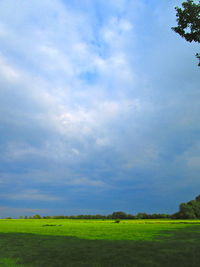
188,20
46,217
119,215
109,216
189,210
130,216
37,216
142,215
197,198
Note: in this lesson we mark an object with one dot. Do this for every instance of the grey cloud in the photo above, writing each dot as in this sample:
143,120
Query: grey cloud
136,124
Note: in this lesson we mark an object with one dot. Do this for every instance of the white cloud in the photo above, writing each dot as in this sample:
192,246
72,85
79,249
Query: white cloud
102,142
78,90
8,72
125,25
30,194
83,181
76,151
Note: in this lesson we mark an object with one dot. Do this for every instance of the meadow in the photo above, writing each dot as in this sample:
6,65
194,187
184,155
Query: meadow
54,242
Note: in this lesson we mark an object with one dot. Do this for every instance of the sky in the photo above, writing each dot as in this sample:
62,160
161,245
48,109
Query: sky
99,108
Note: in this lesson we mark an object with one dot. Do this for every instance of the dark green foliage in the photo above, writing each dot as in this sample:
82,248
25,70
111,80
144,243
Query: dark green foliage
188,20
37,216
114,215
143,215
189,210
198,57
119,215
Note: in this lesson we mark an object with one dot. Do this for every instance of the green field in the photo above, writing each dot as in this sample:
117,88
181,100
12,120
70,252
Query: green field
45,242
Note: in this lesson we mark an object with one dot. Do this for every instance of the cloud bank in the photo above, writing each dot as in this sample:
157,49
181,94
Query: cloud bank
99,108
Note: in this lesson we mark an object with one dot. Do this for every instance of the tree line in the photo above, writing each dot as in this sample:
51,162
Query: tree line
189,210
113,216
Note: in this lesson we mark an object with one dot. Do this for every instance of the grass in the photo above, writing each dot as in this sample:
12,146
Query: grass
99,243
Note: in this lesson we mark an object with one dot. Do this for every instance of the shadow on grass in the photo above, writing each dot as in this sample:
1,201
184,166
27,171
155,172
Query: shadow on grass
177,248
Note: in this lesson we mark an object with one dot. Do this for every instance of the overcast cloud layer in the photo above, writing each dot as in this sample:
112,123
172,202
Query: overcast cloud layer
99,108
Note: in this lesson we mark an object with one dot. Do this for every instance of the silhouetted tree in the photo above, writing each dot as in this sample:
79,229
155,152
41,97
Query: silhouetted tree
119,215
188,20
37,216
189,210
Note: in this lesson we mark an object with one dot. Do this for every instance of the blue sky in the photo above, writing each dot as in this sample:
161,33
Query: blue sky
99,108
